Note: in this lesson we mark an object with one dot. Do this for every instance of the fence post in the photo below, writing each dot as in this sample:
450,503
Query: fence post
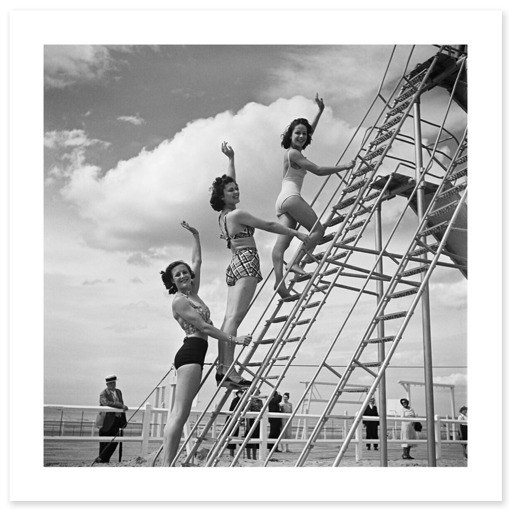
263,435
438,437
359,441
146,424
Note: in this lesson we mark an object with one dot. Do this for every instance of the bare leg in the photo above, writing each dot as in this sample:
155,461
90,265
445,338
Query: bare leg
187,386
300,210
282,243
239,300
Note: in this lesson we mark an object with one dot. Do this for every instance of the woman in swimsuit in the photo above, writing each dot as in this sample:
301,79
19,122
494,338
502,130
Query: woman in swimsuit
193,316
291,208
243,273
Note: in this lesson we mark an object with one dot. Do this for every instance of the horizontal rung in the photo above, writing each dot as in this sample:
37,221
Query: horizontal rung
403,293
444,209
400,108
461,160
300,278
327,238
391,316
354,390
435,229
278,319
373,364
405,95
452,191
371,197
291,298
416,79
354,186
355,225
383,339
413,271
345,203
455,175
382,138
362,211
312,305
303,321
310,259
348,240
270,341
334,221
423,250
364,169
373,154
391,122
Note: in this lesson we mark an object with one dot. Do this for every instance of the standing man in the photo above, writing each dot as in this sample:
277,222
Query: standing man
113,421
372,427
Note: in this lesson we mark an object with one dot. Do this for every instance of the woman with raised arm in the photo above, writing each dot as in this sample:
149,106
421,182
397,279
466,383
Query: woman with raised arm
193,315
291,208
243,273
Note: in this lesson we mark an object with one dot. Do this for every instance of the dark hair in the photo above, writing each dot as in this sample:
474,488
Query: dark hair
463,408
217,190
167,275
286,394
403,399
287,135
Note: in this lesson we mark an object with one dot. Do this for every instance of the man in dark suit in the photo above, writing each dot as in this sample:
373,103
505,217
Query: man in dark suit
372,427
275,423
113,421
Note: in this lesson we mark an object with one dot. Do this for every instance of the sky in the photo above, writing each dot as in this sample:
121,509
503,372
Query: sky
132,139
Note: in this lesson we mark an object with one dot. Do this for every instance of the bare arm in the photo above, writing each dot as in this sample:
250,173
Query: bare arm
229,152
246,219
181,306
299,159
196,255
321,106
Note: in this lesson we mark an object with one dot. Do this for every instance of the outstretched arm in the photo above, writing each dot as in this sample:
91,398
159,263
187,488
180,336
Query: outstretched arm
228,151
299,159
196,255
181,306
245,218
321,106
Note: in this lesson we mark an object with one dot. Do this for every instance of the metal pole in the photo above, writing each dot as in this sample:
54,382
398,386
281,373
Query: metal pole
382,351
425,301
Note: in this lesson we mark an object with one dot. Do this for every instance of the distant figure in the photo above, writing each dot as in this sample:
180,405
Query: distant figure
372,427
275,423
463,429
407,432
287,407
291,208
232,407
112,421
255,405
237,227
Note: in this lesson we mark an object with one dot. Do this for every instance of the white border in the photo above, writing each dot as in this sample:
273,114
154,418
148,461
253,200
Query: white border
29,31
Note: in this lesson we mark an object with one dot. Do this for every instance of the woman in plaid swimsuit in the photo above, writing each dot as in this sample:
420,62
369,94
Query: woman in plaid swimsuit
243,273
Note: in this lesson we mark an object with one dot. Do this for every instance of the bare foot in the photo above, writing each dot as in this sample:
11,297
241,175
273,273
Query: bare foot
296,269
283,291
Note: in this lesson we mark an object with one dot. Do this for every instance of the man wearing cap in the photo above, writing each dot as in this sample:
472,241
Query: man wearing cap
113,421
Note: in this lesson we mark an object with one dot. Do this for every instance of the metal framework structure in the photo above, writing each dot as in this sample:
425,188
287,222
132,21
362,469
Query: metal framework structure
386,275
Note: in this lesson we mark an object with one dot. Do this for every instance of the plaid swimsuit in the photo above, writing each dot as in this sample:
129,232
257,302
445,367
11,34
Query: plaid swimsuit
244,262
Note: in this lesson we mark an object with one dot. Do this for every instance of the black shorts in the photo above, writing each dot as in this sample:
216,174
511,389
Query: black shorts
193,351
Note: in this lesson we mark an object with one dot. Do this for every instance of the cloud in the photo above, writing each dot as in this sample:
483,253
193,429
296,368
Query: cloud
137,205
456,379
135,120
66,65
98,281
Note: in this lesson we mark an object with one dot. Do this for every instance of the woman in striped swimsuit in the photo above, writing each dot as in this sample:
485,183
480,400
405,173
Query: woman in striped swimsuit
243,273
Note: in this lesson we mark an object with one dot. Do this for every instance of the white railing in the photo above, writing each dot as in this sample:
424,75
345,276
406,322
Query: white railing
153,431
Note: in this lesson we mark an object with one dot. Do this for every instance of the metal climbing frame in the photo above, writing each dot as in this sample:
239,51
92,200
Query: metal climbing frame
283,332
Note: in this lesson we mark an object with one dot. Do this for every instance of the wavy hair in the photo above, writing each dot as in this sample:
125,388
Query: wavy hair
217,191
286,137
167,275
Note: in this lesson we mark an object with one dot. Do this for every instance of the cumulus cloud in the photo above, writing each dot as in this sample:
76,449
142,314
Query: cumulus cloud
65,65
135,120
137,205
